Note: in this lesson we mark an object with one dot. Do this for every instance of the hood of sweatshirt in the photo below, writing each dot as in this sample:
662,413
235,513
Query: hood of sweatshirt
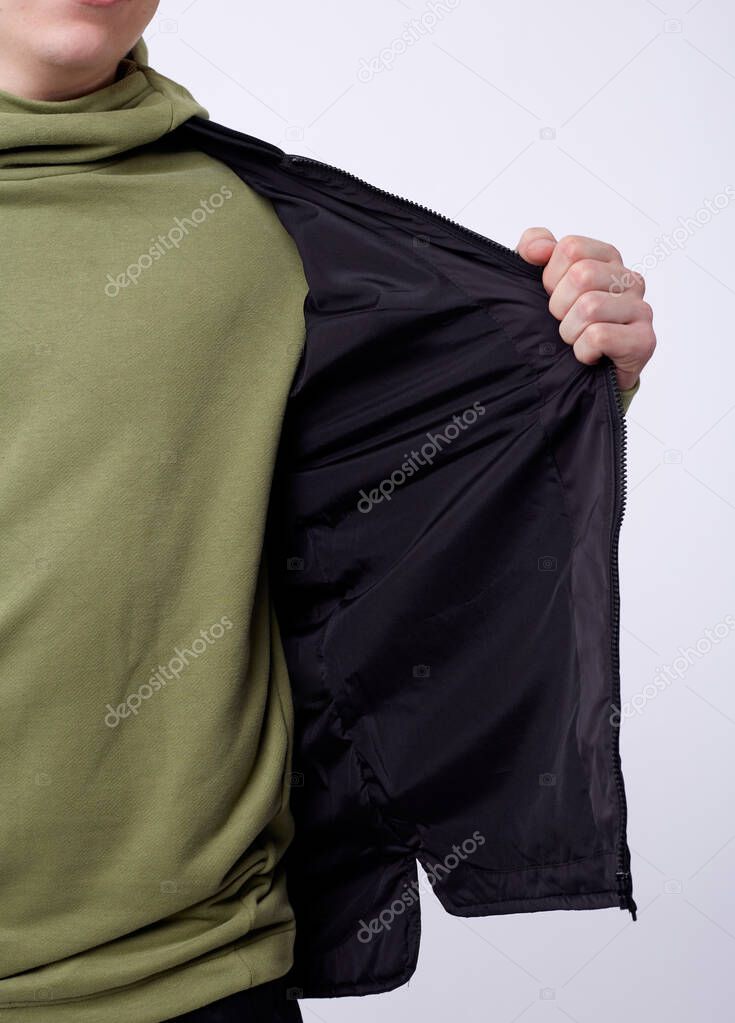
44,137
139,53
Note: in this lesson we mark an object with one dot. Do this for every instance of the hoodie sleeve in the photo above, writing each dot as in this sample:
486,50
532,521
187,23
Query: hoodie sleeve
628,395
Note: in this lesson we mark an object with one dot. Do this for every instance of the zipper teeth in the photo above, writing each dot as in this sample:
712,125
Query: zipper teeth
518,261
620,430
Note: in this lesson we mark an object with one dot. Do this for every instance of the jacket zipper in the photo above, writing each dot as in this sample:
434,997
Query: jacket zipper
620,435
517,261
274,153
622,875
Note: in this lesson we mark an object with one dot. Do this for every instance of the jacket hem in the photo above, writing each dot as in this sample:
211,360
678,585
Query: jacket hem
606,899
377,987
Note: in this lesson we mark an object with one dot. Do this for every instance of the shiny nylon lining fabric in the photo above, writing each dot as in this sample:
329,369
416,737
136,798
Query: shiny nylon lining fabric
451,645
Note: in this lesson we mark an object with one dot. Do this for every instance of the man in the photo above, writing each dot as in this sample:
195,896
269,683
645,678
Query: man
153,336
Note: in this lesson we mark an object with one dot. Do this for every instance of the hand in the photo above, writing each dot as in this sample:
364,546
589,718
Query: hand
599,301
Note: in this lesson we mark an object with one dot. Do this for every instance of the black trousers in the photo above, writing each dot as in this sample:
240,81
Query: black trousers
267,1003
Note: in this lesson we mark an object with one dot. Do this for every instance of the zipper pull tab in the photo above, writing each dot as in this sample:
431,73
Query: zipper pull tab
625,891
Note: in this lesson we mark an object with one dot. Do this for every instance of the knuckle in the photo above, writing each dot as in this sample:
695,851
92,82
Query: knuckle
622,275
589,306
642,341
572,247
582,274
586,354
615,254
595,336
619,280
639,280
646,312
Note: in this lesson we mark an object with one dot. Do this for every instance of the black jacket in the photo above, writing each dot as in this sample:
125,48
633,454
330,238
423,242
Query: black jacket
443,549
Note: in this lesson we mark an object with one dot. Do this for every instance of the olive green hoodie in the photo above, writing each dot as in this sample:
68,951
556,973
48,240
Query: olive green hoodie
150,325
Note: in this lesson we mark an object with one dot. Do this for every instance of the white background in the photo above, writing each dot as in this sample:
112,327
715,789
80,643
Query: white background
610,120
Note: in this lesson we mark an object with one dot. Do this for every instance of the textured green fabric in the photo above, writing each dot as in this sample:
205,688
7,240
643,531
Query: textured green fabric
137,109
150,326
139,53
629,394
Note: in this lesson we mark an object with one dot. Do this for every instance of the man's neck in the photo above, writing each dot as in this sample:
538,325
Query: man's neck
54,83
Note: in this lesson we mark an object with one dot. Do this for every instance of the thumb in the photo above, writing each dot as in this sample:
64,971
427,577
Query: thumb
536,245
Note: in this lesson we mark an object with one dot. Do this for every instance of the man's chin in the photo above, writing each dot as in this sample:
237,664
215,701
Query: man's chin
82,46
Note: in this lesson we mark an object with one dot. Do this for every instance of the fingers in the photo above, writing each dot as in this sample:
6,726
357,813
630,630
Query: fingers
598,300
590,275
602,307
536,245
629,345
571,249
